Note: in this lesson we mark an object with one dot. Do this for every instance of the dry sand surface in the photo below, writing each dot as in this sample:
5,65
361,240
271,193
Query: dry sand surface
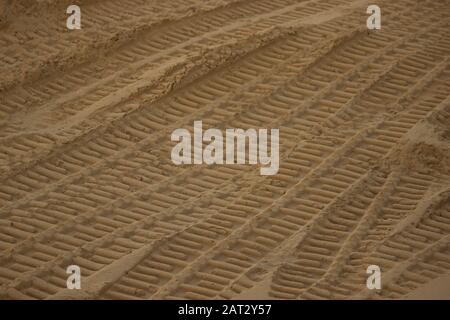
86,176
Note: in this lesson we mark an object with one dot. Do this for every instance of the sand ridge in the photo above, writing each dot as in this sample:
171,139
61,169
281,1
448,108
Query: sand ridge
86,176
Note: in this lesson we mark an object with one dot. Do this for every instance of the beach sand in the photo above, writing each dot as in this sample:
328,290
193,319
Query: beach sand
86,176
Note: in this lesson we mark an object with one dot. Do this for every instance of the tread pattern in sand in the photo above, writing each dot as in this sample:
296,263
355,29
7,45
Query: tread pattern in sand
85,170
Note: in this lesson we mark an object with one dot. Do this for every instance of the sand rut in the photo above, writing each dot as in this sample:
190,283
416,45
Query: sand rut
86,176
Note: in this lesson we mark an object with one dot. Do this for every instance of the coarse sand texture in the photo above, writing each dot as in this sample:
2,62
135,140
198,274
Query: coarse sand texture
87,179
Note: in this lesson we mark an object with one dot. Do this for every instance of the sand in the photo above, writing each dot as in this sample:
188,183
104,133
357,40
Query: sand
85,171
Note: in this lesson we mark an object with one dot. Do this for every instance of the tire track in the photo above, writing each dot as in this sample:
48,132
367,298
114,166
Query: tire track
87,180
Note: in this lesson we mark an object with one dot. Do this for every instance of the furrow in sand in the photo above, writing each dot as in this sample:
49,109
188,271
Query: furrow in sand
166,190
266,236
97,78
85,170
107,163
430,264
349,267
115,94
312,198
425,235
16,248
31,53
